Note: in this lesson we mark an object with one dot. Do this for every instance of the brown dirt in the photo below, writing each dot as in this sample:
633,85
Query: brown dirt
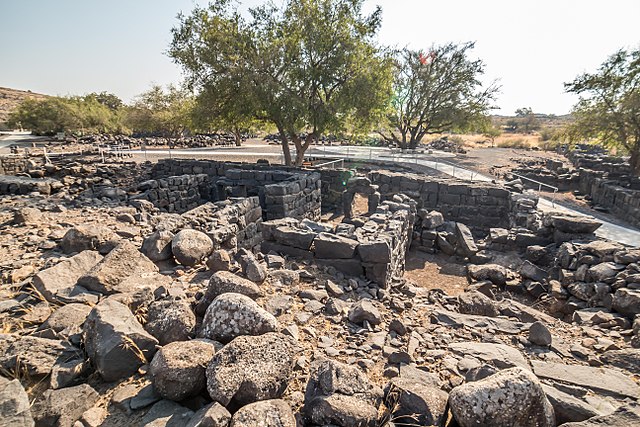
436,272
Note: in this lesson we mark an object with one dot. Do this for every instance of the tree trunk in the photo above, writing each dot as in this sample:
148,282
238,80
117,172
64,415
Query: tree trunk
634,160
238,137
285,147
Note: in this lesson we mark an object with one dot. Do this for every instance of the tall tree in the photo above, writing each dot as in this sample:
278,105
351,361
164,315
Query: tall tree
435,92
609,105
308,67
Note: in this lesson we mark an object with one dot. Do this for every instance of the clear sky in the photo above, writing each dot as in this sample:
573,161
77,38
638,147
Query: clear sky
65,47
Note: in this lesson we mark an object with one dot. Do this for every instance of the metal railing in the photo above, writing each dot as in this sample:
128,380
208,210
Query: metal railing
540,185
332,164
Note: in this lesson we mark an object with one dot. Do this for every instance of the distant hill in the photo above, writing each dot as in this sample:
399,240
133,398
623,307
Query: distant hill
11,98
545,120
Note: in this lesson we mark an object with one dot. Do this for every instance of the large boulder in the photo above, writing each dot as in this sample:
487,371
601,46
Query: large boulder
250,369
223,282
364,310
123,262
573,224
627,301
416,400
191,247
15,408
170,320
58,283
157,246
496,274
115,342
231,315
63,407
508,398
89,237
178,369
342,395
266,413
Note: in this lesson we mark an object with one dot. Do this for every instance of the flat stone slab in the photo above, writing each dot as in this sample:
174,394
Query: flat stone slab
451,318
602,379
499,355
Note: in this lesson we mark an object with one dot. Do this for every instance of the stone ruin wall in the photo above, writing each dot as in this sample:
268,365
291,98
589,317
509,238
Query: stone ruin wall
12,165
233,223
282,191
176,194
479,205
374,249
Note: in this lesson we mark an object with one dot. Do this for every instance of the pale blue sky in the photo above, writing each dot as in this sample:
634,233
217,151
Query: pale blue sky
66,47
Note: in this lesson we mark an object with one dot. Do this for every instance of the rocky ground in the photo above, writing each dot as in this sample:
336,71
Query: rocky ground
114,315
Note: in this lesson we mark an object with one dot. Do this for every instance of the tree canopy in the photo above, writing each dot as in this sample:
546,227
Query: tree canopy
49,115
435,92
164,111
308,67
609,105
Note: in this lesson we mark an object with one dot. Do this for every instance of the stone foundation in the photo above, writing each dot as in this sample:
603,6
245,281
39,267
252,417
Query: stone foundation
176,193
374,248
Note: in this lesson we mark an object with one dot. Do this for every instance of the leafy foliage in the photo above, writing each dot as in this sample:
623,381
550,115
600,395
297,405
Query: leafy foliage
72,114
310,66
436,92
166,112
609,105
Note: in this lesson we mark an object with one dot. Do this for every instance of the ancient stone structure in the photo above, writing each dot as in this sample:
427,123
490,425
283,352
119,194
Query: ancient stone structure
480,205
176,193
282,191
375,249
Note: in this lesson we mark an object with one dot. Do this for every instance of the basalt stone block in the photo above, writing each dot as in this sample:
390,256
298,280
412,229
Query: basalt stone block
333,246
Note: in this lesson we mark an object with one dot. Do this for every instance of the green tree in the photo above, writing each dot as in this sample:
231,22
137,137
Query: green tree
310,66
526,120
609,105
435,92
70,114
163,111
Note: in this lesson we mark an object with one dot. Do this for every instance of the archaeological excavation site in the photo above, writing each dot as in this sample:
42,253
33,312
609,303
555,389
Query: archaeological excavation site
190,292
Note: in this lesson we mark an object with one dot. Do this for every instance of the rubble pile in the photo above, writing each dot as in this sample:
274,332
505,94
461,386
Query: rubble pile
445,144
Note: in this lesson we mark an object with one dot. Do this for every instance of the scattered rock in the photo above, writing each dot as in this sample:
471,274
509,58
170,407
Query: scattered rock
58,283
89,237
190,247
219,260
212,415
178,369
539,334
508,398
170,320
267,413
157,246
231,315
364,310
115,342
167,413
249,369
124,261
63,407
15,408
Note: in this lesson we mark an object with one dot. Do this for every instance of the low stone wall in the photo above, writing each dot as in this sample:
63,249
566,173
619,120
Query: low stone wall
621,201
231,224
282,191
334,183
374,249
480,205
176,193
10,185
